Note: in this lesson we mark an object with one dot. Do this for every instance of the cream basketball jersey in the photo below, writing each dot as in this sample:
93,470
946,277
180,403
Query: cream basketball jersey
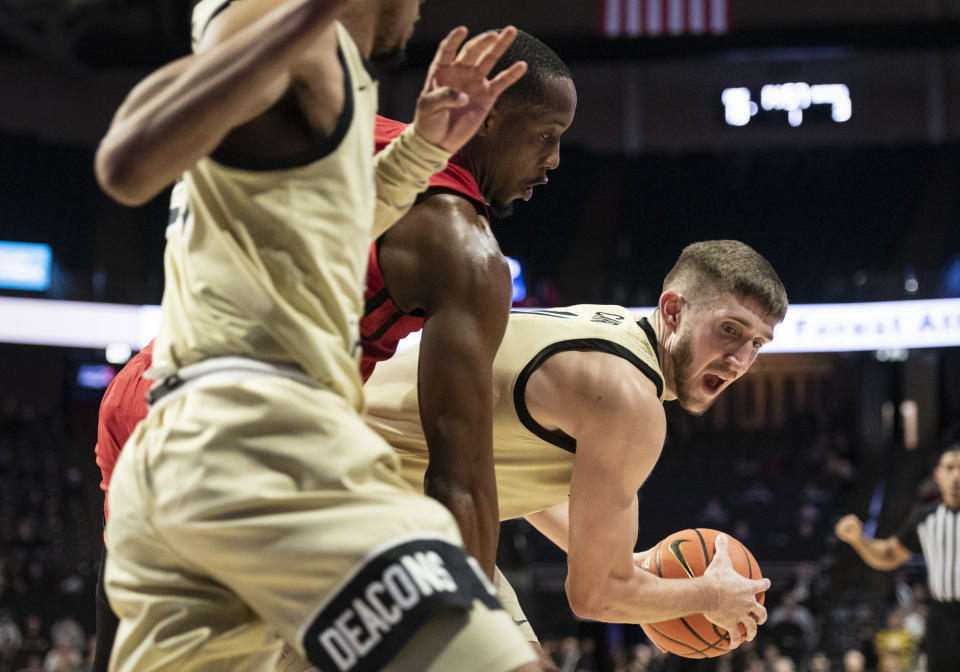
533,464
268,261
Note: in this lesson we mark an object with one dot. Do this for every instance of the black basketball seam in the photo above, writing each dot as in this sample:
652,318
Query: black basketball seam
749,564
703,545
692,648
724,636
699,636
659,572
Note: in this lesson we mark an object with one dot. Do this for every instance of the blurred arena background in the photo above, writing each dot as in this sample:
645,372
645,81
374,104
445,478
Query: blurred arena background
825,134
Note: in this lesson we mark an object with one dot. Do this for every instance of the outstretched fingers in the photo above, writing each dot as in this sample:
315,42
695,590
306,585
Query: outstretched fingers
494,51
447,51
507,78
475,48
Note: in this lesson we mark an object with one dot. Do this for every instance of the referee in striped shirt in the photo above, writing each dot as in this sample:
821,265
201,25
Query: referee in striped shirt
934,530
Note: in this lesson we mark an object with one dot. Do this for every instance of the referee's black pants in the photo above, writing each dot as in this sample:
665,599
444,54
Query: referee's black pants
943,637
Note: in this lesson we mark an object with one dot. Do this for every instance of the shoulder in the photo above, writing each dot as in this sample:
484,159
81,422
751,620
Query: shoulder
585,389
592,370
448,235
442,253
442,203
617,384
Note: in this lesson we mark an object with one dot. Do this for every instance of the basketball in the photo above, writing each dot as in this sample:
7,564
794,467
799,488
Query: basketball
686,554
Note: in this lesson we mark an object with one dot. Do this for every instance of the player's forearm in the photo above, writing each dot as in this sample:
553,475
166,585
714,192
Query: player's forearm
604,581
642,597
876,553
629,594
402,171
176,118
472,499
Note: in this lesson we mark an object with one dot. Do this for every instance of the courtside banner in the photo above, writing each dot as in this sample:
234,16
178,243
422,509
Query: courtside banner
881,325
77,324
653,18
812,327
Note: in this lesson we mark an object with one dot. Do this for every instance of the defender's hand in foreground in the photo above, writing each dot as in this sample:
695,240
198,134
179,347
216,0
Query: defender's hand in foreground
457,95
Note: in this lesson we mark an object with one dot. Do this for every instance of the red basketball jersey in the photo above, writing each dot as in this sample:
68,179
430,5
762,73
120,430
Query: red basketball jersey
383,323
123,406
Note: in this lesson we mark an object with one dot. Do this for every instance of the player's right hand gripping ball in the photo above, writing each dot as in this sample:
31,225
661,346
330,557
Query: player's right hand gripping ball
687,554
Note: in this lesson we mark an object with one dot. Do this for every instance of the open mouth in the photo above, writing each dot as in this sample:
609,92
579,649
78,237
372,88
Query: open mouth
528,193
712,382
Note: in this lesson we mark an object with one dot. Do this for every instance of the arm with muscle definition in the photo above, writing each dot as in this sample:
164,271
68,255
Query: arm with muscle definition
182,112
613,412
441,257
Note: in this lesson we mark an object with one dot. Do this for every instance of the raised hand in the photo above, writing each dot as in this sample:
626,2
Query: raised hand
849,528
457,96
737,602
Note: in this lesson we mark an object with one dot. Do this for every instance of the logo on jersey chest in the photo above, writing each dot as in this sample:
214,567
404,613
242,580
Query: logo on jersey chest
607,318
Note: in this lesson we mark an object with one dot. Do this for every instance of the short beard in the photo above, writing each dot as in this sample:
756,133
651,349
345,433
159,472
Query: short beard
500,210
680,358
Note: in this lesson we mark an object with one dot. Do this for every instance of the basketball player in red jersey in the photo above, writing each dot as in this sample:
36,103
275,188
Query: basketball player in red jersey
440,268
123,406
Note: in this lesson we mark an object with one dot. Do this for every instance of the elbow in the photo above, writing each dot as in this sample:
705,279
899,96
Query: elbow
115,168
455,493
447,480
583,608
585,603
446,489
473,508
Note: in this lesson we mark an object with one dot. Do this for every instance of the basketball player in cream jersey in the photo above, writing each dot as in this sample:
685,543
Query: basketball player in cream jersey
252,506
579,424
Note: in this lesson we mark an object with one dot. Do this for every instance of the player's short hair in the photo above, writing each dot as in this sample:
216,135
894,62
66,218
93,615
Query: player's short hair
712,267
542,64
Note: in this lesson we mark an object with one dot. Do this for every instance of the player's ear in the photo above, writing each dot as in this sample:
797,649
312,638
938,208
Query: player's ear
670,304
492,120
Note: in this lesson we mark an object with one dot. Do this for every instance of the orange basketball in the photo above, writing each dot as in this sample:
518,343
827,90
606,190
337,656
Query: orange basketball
686,554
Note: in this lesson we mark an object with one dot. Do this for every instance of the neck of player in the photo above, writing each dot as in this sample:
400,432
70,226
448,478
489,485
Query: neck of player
666,362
